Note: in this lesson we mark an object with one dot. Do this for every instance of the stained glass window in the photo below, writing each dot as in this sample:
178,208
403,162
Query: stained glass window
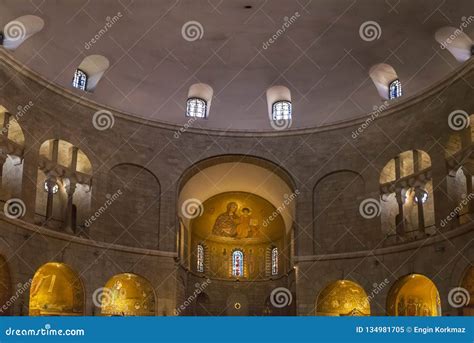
237,263
395,89
196,107
281,110
80,80
275,261
200,258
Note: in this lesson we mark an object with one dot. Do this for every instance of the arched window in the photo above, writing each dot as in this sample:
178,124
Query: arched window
196,108
200,258
386,81
395,89
199,101
275,261
80,80
238,263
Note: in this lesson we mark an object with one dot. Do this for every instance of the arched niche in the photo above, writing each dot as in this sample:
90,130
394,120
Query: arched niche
134,215
12,141
407,202
63,186
414,295
234,173
383,76
339,191
5,287
468,284
56,290
457,42
128,294
17,31
343,298
94,66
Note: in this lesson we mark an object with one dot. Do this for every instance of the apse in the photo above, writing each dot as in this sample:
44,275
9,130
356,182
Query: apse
56,290
414,295
343,298
128,294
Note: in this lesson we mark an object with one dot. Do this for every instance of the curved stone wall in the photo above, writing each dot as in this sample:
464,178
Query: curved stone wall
316,160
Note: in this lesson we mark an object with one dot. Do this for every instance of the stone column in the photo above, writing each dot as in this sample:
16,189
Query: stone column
69,225
419,194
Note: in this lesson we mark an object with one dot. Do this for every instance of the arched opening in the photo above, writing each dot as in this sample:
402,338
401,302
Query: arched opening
64,181
5,287
90,71
12,142
407,204
17,31
240,210
128,294
386,81
456,41
56,290
468,284
414,295
343,298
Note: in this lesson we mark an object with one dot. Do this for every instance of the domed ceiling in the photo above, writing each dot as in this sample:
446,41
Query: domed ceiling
240,48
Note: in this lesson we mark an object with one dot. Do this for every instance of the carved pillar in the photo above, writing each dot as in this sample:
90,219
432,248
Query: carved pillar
400,218
69,225
419,195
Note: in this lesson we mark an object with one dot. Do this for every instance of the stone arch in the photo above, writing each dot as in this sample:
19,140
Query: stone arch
133,217
64,180
19,30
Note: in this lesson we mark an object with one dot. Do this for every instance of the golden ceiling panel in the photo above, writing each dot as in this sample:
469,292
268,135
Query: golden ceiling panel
343,298
414,295
128,295
56,290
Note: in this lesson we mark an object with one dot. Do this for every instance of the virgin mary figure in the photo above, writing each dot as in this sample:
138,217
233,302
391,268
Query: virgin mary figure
227,222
